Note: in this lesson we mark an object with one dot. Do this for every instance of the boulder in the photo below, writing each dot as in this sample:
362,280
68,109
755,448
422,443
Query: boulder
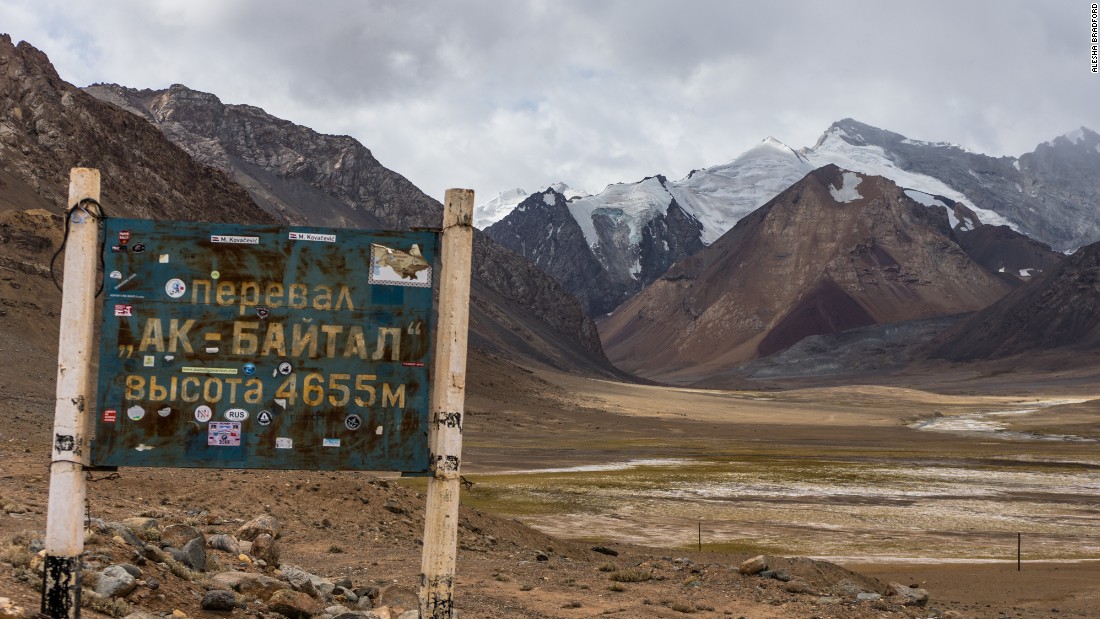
219,599
177,535
264,548
225,543
399,597
114,582
755,565
194,554
265,523
293,604
139,524
249,584
299,579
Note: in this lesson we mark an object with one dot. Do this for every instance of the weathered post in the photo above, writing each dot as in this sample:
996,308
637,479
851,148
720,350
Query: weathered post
447,407
65,515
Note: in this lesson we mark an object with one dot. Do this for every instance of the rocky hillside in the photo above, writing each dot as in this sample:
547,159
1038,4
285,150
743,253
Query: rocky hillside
1003,250
837,250
48,126
302,176
1058,310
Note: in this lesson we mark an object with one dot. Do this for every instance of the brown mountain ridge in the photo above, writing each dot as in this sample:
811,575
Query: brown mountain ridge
835,251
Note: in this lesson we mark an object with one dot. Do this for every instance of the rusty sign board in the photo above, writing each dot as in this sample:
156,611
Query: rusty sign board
232,346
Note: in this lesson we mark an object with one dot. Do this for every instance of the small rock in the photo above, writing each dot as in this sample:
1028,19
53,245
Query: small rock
299,579
410,614
780,575
177,535
9,610
364,603
264,548
293,604
370,592
249,584
141,614
138,524
219,599
399,597
337,610
344,582
864,596
132,570
846,588
152,583
114,582
797,586
910,596
829,599
754,565
393,506
265,523
224,543
604,550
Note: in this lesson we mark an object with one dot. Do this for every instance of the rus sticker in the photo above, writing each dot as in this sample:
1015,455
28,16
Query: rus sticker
175,288
236,414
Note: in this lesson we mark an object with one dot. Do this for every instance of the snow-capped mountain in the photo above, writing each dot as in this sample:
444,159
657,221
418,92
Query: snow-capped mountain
1049,194
488,213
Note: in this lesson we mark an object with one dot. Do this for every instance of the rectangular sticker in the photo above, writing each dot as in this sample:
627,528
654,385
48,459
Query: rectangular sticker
149,361
234,240
309,236
396,267
193,370
282,442
110,415
330,442
124,310
224,434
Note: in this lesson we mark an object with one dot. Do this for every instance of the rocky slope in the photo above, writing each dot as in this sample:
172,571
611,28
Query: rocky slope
836,251
305,177
627,255
48,126
1058,310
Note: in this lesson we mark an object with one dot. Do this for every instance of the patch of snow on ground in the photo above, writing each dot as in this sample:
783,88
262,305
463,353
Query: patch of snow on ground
1029,272
1016,164
548,199
847,191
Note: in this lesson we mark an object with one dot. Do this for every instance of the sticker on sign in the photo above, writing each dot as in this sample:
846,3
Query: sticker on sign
235,240
310,236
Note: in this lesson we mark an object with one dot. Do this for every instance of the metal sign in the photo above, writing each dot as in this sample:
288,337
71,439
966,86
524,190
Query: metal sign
231,346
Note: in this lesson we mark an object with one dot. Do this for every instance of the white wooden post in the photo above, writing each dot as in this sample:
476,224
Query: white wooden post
72,412
447,407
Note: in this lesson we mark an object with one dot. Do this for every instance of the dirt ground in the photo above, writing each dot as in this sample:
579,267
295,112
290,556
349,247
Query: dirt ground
368,529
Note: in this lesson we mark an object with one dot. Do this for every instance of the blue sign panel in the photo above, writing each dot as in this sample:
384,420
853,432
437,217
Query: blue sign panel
231,346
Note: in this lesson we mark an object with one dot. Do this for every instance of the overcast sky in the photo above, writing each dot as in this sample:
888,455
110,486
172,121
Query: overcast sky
499,94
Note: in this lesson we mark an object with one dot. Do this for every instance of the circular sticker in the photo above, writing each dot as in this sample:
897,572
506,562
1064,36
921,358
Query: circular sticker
138,248
164,412
285,368
249,369
236,414
264,418
203,413
353,422
135,413
215,275
116,274
175,288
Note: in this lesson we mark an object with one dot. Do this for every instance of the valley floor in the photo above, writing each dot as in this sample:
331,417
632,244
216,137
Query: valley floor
841,473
